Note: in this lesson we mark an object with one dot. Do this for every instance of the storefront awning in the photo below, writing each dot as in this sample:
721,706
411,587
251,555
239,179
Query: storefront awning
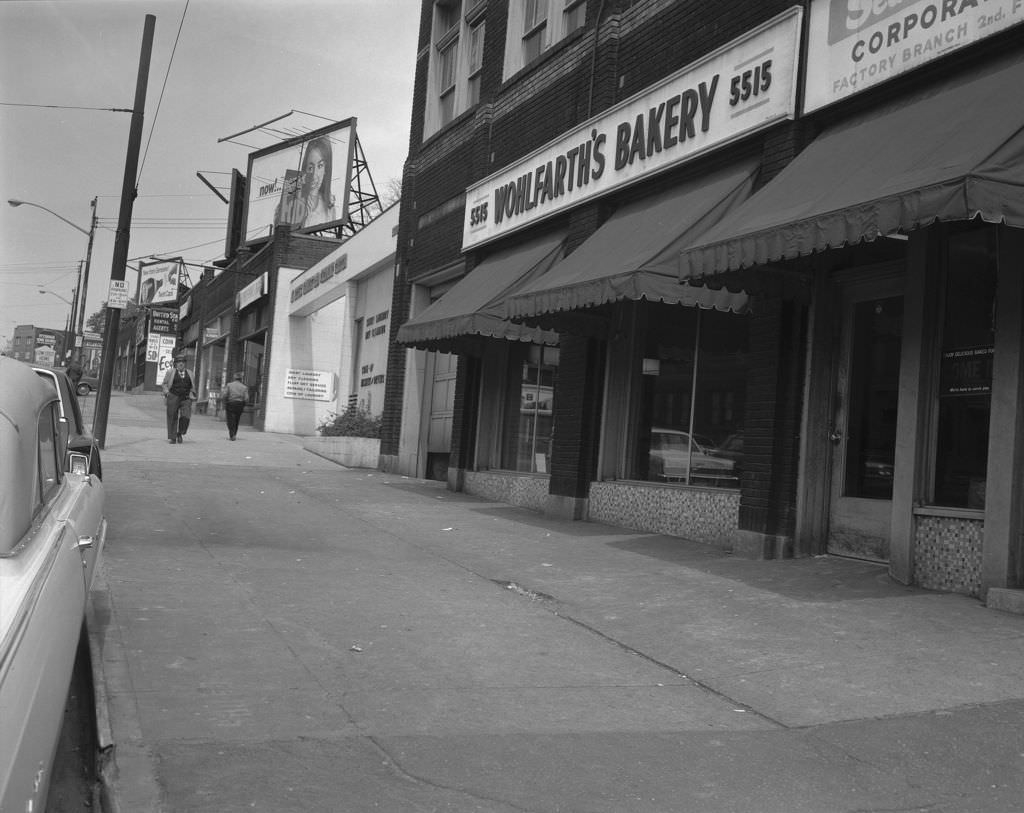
475,305
952,154
634,255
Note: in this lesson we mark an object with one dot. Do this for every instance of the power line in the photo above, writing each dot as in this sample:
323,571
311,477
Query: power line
69,107
163,88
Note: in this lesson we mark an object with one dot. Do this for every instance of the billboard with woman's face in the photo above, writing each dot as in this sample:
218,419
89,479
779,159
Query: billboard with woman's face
302,183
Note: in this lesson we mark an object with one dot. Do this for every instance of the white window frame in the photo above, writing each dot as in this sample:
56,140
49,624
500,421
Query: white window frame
520,31
451,91
474,62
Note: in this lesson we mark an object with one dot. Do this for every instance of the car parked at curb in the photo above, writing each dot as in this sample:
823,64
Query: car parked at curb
80,439
87,385
52,531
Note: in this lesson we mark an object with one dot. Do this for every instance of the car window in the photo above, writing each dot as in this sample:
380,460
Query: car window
69,397
49,457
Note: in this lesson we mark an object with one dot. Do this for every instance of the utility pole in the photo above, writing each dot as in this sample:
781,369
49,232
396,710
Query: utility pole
84,287
123,234
74,307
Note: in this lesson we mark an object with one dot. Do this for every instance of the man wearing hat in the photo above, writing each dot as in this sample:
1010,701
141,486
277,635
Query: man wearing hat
178,395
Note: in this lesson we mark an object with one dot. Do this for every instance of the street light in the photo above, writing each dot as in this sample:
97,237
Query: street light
83,280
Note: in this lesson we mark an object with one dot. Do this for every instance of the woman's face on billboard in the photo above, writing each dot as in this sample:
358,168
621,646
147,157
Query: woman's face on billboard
315,166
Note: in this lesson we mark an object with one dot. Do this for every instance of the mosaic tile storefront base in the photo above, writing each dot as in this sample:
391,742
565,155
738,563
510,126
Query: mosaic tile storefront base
948,554
703,515
524,490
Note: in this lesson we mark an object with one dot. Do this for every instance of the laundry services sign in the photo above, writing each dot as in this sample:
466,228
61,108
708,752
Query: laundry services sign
743,87
854,45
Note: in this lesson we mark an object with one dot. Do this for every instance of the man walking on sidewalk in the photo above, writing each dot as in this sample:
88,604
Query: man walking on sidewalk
236,394
178,394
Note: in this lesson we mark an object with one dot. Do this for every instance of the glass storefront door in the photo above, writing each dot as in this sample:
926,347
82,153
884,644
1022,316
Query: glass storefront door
863,432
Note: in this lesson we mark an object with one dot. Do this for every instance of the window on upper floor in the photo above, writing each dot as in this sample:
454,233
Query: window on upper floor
456,61
476,63
535,25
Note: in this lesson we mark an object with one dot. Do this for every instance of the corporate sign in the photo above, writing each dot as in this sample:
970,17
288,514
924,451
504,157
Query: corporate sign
730,93
856,44
158,282
306,288
302,183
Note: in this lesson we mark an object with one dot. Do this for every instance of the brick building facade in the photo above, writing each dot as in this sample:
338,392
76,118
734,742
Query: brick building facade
807,306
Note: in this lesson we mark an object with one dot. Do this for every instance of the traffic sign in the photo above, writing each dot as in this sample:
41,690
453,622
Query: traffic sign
118,295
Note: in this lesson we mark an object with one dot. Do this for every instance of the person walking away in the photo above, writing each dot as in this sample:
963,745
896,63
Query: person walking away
236,395
178,395
74,371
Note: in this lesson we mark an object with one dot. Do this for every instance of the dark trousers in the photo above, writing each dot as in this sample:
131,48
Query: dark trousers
232,413
179,415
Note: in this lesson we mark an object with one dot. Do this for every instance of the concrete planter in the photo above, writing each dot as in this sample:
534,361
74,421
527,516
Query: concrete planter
355,453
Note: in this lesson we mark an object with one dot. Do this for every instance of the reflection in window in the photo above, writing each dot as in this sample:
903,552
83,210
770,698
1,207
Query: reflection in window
476,63
49,465
965,372
526,439
692,358
535,18
446,67
535,26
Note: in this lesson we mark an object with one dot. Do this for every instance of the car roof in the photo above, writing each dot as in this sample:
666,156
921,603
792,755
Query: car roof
23,394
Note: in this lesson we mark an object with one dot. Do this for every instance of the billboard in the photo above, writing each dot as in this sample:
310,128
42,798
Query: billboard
158,282
302,182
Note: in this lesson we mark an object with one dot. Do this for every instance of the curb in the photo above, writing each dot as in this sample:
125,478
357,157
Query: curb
129,784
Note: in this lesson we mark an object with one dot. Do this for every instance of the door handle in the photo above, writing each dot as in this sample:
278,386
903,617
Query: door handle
835,435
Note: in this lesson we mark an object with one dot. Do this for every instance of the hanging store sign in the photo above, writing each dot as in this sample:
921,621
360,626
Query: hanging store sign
730,93
163,320
854,45
158,281
311,385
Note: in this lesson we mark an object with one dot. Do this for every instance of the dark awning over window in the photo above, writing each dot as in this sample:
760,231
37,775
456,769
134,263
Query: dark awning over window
634,255
475,305
950,154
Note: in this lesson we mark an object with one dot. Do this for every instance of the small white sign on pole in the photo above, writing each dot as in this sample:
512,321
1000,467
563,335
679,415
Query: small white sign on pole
117,296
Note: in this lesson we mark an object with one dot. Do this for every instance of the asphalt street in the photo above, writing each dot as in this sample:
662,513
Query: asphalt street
275,632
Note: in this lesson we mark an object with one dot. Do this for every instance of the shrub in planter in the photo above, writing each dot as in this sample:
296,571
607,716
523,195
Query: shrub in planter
352,423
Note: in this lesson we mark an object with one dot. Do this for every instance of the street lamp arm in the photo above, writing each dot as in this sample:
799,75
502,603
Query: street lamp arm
15,202
52,293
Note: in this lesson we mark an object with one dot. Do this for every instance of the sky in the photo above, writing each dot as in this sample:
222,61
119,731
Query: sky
218,67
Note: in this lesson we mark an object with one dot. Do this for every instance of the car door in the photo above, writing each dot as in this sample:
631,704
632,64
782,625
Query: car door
44,596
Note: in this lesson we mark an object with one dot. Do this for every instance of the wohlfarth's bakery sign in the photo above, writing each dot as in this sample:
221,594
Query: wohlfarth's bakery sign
743,87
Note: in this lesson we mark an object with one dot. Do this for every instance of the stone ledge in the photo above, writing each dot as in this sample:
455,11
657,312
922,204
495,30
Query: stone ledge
1005,599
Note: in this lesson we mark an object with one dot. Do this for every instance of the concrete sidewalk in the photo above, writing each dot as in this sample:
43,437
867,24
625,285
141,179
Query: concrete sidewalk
787,685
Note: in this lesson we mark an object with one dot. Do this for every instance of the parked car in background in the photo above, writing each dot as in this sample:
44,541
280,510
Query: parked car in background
674,455
80,439
52,531
87,385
